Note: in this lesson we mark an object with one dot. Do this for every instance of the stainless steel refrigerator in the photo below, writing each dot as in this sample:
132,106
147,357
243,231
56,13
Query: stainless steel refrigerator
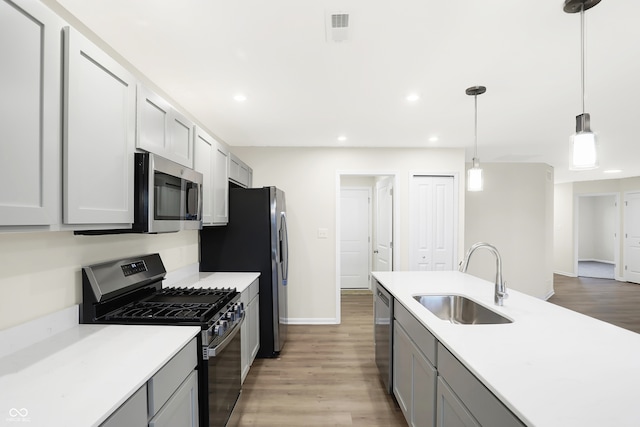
255,240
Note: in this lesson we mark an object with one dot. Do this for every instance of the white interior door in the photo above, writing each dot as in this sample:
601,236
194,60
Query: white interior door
383,252
632,237
432,223
355,239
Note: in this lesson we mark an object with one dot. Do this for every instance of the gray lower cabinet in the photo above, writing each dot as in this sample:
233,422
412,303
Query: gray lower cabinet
181,410
483,405
433,388
414,375
132,413
451,411
250,332
168,399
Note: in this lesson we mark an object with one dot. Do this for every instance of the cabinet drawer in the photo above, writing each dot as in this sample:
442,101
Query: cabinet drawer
484,406
182,408
162,385
418,333
132,413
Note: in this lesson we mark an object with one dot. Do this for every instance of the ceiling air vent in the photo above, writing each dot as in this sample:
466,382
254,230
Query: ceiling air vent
337,26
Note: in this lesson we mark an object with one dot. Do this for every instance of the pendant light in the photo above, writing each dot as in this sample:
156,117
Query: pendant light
584,153
475,180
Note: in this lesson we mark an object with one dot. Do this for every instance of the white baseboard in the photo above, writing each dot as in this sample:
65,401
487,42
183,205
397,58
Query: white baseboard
312,321
597,260
549,295
564,273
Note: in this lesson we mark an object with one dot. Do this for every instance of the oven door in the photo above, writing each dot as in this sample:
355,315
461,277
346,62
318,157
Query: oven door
223,378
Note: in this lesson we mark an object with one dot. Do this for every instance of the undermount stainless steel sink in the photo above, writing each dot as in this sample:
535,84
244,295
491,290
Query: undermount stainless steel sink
460,310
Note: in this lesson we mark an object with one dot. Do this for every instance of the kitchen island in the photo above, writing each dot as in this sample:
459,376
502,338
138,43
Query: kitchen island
550,366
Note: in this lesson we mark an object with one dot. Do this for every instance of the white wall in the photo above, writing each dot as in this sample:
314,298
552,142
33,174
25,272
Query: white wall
40,273
514,213
309,176
563,246
596,225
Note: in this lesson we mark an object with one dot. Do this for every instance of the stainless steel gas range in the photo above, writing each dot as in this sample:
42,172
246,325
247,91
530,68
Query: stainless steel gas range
129,291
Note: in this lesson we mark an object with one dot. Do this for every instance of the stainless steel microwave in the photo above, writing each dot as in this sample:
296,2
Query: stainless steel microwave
168,196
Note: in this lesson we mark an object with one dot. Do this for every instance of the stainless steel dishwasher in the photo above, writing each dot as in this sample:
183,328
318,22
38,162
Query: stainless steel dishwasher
383,334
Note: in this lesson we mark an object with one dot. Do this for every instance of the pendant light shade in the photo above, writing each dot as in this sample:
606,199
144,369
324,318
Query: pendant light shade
475,181
583,145
584,154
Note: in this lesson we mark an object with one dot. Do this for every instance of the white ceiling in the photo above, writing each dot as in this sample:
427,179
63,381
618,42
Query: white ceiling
304,91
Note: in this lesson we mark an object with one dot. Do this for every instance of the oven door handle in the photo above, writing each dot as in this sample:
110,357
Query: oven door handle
213,352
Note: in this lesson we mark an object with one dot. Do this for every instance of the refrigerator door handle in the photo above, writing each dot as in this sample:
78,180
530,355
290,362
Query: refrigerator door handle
284,248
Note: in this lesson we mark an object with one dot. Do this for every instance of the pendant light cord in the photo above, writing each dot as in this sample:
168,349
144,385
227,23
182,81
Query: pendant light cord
582,53
475,97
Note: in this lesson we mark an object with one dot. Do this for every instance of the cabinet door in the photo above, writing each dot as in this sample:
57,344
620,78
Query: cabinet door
402,369
451,411
152,122
203,148
29,114
181,135
254,329
414,380
181,410
99,135
162,130
220,185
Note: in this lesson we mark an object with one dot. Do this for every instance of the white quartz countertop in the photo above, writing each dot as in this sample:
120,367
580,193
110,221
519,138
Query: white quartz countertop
80,376
551,366
240,281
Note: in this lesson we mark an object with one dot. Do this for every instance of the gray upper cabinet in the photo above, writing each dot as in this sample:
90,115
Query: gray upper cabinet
203,148
98,135
239,172
29,114
163,130
220,185
212,161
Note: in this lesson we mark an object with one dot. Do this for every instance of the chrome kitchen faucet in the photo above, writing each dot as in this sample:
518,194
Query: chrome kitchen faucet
500,288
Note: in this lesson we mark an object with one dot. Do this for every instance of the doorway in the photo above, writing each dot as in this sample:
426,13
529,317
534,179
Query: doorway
355,237
353,270
597,243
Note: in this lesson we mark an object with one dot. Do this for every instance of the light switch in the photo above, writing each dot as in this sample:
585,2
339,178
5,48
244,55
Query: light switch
323,233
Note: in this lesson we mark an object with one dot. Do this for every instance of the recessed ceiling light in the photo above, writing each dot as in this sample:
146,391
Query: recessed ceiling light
413,97
613,171
434,139
342,138
240,97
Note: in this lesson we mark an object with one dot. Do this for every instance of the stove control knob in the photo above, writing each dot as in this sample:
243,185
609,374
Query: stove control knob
217,330
231,315
223,325
239,309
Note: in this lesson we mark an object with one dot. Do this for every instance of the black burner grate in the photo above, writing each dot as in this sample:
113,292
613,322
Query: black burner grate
160,311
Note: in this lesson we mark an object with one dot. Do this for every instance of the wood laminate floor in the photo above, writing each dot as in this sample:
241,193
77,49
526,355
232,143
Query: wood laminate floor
325,376
608,300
